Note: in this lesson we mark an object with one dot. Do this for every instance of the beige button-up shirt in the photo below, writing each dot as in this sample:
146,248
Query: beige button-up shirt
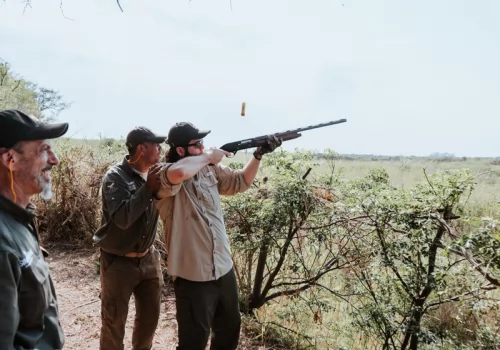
195,234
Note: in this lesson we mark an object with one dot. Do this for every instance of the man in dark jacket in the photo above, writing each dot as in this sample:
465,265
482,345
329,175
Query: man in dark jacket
129,264
28,306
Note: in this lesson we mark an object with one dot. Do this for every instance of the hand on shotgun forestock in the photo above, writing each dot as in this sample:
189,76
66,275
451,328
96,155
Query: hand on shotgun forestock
271,144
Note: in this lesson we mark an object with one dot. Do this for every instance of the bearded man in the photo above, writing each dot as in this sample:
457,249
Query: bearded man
199,254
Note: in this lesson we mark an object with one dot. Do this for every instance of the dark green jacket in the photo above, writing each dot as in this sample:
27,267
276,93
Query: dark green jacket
28,305
129,216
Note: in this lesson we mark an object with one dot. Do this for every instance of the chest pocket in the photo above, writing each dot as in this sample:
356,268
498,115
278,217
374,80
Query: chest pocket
133,186
34,291
209,189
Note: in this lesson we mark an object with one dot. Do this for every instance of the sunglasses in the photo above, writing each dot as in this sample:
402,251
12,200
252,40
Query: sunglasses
197,144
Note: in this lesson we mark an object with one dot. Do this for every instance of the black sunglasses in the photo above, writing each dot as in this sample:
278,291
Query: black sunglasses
197,144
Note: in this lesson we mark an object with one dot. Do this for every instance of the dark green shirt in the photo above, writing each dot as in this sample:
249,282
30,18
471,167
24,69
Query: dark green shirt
129,216
28,305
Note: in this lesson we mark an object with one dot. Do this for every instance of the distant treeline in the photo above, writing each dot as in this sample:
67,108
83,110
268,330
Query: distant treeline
438,157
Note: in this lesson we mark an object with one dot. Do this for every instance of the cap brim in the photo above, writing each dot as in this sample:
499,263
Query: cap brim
203,133
48,131
157,139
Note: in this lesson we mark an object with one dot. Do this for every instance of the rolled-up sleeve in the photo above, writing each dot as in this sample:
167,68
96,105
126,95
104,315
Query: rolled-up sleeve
230,181
167,189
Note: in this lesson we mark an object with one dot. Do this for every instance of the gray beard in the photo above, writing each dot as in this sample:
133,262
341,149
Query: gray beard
46,193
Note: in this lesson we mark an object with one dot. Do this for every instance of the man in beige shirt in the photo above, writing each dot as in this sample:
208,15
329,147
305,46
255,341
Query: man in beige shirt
199,255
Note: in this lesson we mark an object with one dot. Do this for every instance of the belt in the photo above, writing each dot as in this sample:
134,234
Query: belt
137,254
133,254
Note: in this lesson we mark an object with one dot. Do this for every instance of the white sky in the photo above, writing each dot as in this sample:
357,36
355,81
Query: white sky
410,77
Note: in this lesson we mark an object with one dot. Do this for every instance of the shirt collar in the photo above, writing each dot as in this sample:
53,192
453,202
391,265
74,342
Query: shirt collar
23,215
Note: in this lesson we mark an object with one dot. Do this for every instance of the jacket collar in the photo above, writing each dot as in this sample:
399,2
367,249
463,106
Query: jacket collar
23,215
126,166
128,169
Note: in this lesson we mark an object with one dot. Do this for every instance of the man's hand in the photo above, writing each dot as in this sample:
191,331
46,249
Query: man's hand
272,143
153,180
215,155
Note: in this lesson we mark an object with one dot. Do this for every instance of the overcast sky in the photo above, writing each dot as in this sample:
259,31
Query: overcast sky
411,77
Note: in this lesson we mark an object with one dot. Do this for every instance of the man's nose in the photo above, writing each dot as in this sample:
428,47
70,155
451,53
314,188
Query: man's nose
53,160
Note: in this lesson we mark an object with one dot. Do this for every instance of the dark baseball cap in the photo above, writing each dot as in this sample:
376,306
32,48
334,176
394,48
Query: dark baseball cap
181,133
140,135
17,126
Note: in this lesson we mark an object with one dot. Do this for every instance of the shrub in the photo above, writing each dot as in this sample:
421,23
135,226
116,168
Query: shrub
74,213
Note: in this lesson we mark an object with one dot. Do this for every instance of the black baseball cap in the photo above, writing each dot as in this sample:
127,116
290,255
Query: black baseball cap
17,126
181,133
140,135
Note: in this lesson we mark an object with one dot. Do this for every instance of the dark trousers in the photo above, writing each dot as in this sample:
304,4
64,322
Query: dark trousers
205,305
120,278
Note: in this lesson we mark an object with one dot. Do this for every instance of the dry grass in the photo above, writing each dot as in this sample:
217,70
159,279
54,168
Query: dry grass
74,213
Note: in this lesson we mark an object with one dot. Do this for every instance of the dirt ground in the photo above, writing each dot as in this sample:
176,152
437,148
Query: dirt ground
77,286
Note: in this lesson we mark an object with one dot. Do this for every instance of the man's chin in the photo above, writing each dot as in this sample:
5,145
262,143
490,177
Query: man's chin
46,193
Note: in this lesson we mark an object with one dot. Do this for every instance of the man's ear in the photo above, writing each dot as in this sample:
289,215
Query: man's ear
7,159
180,151
138,150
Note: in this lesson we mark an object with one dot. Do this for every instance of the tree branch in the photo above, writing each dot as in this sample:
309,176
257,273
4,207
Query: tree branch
445,225
62,10
288,292
456,297
289,330
429,181
311,280
476,265
430,285
15,87
291,233
259,273
4,75
338,295
334,223
391,265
